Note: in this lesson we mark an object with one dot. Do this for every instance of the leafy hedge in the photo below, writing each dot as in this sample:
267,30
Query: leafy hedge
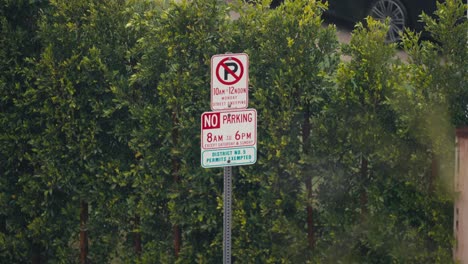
99,134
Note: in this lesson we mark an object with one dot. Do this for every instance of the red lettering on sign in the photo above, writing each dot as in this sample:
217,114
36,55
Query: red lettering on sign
211,120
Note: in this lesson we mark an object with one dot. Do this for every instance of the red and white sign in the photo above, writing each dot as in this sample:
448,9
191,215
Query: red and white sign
229,81
230,129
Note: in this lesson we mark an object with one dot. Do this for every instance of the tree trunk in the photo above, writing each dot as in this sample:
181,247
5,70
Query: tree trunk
83,232
434,171
363,196
137,236
306,128
3,224
310,215
177,240
36,254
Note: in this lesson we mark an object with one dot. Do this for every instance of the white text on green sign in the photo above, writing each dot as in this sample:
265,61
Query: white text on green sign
229,157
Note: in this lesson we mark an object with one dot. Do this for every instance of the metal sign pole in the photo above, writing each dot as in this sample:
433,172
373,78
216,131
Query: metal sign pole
227,201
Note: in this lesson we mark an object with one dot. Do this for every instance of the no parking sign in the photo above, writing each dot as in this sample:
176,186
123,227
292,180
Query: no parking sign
229,81
229,137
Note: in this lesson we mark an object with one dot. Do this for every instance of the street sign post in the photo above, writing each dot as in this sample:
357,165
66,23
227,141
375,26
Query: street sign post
229,137
227,220
229,81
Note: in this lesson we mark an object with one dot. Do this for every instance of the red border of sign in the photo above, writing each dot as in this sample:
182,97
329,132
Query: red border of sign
221,63
224,112
245,75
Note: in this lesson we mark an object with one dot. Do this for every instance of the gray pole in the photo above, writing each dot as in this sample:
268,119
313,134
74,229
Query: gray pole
227,201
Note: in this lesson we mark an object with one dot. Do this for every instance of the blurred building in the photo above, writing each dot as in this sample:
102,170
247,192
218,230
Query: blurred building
461,201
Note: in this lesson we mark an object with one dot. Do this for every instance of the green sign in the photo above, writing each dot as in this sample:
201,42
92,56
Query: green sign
229,157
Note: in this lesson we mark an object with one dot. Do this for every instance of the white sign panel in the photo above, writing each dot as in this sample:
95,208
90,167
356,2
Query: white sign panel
229,129
229,138
229,81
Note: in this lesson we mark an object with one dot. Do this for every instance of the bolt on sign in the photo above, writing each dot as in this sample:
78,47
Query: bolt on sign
229,81
228,138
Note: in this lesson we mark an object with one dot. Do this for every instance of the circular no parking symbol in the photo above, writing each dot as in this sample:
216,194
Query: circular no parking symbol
229,71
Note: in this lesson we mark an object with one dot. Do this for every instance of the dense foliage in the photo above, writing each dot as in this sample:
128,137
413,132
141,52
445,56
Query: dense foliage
100,105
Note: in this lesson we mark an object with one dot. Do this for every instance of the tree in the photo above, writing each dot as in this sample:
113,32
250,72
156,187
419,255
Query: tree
18,41
68,98
380,201
99,134
443,60
170,90
290,56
